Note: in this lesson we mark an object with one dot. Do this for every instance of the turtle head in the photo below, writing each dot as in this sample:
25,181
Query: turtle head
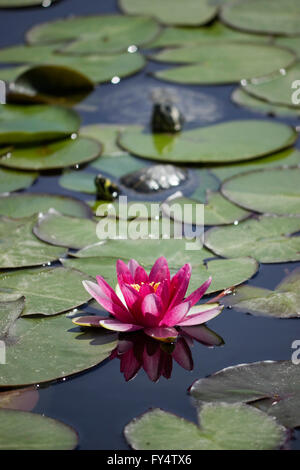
106,189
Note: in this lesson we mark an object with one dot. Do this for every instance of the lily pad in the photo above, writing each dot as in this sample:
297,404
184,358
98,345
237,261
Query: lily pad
283,302
276,90
21,3
263,16
288,157
207,182
95,266
215,33
23,399
9,74
242,98
21,430
20,248
62,350
36,123
240,60
217,210
192,12
50,84
292,43
275,191
25,205
95,34
11,180
221,427
22,53
48,291
220,143
62,230
54,155
270,386
267,239
78,181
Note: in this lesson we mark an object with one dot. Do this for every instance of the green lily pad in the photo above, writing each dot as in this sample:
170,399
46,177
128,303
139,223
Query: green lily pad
240,60
95,266
50,84
118,166
217,210
207,182
54,155
48,291
275,191
62,230
288,157
20,248
267,239
11,180
276,90
36,123
21,430
129,211
95,34
220,143
217,33
10,311
62,350
78,181
192,12
25,205
263,16
292,43
283,302
271,386
21,54
221,427
21,3
242,98
9,74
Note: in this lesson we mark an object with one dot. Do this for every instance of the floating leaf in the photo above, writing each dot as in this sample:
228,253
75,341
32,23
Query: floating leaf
292,43
271,386
10,311
36,123
11,180
95,266
20,248
263,16
283,302
95,34
78,181
118,166
21,3
207,181
48,291
220,143
237,61
66,231
25,205
275,191
21,430
266,239
22,53
277,90
192,12
242,98
215,33
217,210
9,74
23,399
221,427
62,350
55,155
50,84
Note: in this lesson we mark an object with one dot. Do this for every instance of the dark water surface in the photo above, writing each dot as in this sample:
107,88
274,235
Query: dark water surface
99,403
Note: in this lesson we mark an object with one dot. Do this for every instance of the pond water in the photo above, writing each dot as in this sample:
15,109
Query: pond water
99,403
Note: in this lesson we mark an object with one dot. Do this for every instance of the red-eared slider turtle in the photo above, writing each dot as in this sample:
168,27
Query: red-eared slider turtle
166,116
146,181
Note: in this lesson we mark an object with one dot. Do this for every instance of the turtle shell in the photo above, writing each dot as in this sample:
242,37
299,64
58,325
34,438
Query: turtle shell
155,178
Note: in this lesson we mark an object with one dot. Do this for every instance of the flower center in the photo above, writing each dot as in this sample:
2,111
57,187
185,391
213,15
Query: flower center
153,284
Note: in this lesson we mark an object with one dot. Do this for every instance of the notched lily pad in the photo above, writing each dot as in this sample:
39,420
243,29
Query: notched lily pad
21,430
48,291
271,386
220,143
221,427
36,123
267,239
274,191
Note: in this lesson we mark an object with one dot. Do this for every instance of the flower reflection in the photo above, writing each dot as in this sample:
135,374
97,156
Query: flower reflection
138,351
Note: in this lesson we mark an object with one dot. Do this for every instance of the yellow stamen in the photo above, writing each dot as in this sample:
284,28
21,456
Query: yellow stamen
152,284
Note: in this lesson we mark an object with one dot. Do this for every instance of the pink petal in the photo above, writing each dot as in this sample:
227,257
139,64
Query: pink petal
165,334
132,266
182,354
179,284
123,273
92,321
107,298
130,294
198,293
152,364
175,315
152,310
129,365
140,275
160,270
202,334
163,291
115,325
200,318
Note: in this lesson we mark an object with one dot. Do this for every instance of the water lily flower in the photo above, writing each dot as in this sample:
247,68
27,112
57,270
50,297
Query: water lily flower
155,303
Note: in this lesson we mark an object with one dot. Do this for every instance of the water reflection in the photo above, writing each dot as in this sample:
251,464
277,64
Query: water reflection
138,351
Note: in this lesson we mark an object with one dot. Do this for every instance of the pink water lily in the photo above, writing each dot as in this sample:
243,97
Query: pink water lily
155,303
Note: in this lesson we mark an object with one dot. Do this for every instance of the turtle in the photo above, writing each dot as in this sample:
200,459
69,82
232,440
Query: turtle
143,182
166,116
